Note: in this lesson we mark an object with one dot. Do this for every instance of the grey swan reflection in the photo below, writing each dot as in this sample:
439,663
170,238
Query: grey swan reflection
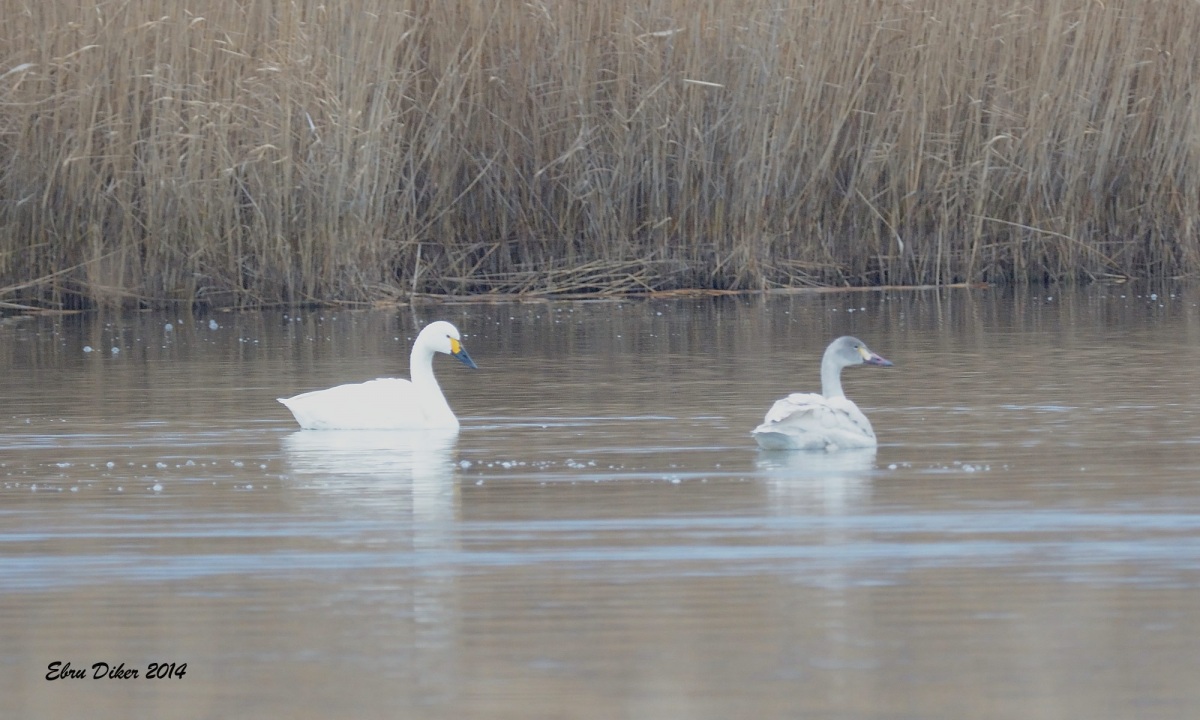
830,483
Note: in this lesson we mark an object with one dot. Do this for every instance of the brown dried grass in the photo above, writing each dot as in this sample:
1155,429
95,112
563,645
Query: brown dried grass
258,152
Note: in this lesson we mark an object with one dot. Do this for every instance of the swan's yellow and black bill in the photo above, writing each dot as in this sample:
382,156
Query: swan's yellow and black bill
871,358
457,350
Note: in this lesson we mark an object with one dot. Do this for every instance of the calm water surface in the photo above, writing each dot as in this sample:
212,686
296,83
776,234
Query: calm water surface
602,539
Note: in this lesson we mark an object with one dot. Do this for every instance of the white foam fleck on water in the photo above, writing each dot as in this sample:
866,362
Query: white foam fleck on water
87,348
212,325
157,487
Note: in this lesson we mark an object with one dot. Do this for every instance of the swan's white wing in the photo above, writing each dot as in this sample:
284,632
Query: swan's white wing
792,404
807,421
383,404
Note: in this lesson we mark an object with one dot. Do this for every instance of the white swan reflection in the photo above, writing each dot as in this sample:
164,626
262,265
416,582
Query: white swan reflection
831,483
371,452
397,492
380,467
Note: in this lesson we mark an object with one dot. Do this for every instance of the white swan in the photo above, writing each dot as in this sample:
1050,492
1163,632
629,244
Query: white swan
829,421
388,403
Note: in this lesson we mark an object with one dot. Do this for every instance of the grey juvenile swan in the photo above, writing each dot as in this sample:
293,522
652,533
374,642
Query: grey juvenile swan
829,421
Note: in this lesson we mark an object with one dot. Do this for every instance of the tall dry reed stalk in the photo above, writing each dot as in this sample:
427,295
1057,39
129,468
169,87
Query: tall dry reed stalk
268,151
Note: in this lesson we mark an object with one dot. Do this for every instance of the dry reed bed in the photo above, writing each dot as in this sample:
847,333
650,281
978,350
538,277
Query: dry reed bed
258,152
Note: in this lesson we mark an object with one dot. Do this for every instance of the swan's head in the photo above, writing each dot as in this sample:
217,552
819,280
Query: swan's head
848,351
443,337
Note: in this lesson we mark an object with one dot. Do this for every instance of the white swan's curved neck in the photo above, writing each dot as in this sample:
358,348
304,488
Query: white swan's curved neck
831,376
420,367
